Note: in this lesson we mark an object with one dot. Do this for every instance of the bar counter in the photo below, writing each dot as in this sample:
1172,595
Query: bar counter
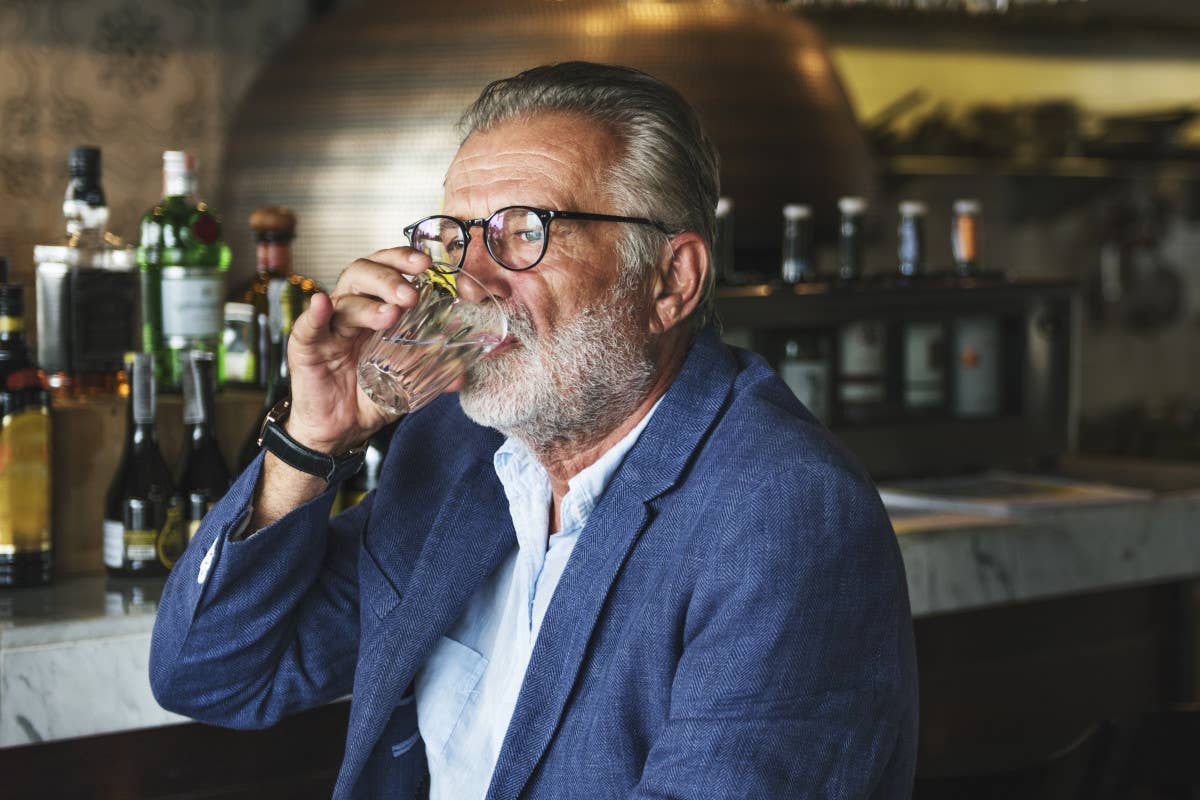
73,656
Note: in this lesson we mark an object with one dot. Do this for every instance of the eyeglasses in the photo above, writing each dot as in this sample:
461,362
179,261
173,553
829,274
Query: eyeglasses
516,236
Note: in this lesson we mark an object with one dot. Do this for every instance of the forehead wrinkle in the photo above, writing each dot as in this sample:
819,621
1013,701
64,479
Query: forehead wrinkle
522,157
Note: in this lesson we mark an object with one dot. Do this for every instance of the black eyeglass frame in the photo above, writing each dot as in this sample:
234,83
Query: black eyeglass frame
545,215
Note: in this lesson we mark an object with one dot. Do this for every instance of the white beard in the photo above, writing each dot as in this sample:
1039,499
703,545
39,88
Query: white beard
575,384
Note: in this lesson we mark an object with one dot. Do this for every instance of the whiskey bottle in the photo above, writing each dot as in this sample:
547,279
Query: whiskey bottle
183,261
143,532
87,291
26,552
275,290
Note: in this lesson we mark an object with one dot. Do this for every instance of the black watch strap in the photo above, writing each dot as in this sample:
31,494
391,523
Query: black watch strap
333,469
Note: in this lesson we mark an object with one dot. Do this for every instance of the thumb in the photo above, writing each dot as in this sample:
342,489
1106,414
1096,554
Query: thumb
313,325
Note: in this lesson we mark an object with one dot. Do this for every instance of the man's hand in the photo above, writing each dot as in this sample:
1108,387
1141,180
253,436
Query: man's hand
330,413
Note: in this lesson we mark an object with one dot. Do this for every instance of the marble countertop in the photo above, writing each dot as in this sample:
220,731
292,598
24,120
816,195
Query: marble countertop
92,607
74,656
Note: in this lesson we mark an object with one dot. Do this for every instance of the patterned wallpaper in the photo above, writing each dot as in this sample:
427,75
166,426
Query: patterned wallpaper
134,77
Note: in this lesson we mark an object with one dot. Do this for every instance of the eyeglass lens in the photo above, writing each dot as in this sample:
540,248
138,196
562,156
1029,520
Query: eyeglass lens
516,237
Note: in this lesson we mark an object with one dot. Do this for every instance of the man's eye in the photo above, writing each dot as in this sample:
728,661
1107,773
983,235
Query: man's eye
531,236
454,245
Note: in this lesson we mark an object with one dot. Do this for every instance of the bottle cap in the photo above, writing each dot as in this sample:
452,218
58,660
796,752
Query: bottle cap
12,295
273,223
179,161
852,205
179,173
84,162
912,208
967,205
724,206
793,211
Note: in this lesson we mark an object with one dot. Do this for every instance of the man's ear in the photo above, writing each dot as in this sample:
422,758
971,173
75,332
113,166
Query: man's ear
679,282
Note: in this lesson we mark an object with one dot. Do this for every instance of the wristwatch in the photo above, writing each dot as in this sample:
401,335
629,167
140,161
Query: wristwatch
333,469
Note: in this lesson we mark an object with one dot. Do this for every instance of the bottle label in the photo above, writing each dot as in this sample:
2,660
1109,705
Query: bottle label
240,365
25,481
144,539
923,358
977,368
114,543
862,347
192,302
140,545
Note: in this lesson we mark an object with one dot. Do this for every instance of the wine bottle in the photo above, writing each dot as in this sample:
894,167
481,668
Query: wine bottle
26,553
183,262
143,532
202,477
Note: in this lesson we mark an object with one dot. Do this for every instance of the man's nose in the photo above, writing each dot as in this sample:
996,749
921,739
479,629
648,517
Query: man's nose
488,275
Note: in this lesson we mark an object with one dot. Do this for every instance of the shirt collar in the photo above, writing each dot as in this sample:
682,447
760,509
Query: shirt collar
526,482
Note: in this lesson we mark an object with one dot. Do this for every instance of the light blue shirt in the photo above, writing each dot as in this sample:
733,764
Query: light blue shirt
467,690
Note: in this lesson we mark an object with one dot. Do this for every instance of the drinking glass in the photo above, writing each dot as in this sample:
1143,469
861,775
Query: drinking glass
434,342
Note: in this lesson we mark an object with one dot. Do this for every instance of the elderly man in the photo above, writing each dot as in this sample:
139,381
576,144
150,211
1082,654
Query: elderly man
623,561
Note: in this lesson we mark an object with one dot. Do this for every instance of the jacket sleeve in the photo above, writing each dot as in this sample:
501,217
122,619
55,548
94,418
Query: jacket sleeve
249,631
797,677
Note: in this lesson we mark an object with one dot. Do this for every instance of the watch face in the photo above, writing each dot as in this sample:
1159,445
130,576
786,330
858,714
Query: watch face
278,414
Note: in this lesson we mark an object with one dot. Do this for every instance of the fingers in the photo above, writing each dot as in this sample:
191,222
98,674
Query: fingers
382,275
352,313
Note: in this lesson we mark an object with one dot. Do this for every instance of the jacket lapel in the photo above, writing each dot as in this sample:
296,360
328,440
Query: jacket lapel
467,541
652,467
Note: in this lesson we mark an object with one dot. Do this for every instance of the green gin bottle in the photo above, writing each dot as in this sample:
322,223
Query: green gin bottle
183,260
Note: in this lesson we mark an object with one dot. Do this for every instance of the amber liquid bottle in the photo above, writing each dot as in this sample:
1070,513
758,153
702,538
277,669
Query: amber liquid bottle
275,292
26,553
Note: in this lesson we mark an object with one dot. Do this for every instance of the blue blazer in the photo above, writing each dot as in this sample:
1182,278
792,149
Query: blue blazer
733,621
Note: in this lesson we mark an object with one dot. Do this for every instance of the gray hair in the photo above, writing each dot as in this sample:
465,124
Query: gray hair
668,169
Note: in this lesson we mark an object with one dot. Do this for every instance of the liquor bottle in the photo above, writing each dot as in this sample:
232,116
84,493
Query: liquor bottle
26,552
798,265
183,262
805,369
274,228
964,237
862,371
861,344
143,531
87,291
924,350
910,236
202,476
850,238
